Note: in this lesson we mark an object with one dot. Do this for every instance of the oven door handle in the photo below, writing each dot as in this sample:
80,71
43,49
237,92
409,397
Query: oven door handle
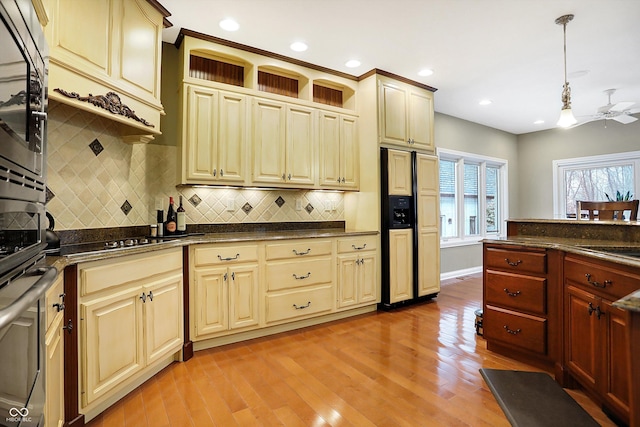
34,293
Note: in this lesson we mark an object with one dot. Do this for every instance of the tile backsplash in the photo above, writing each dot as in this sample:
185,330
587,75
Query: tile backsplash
96,180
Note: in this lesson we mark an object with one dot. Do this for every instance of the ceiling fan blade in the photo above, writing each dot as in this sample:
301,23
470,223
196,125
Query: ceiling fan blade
624,119
621,106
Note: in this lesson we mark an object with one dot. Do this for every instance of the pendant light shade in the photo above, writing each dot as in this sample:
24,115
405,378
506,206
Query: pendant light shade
566,115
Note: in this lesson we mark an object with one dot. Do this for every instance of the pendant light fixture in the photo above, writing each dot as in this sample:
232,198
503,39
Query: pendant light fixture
566,115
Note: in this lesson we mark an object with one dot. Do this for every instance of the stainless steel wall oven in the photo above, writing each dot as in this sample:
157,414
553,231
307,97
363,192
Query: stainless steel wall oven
24,276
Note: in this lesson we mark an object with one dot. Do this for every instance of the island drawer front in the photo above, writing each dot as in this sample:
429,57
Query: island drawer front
600,279
356,244
516,260
523,293
515,329
221,254
298,249
298,303
289,274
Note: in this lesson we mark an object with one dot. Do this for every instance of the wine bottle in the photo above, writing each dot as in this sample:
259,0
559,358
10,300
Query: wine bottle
182,221
172,219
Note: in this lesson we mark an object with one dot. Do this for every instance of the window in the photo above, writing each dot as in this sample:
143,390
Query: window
595,178
473,200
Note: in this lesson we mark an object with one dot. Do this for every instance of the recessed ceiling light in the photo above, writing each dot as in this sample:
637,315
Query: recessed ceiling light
229,24
425,72
352,63
299,46
485,102
538,122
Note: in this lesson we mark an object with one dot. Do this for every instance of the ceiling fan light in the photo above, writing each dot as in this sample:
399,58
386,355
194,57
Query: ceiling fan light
566,118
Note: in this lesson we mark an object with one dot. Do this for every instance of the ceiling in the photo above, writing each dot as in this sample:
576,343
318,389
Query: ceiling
510,52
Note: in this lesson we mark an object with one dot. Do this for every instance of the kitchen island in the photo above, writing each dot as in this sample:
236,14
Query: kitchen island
557,295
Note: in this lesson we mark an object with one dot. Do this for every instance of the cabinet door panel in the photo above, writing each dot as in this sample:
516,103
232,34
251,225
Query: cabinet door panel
232,137
163,317
367,278
350,160
243,295
616,386
111,339
400,176
201,134
330,149
210,301
393,114
582,352
421,120
347,287
428,263
268,141
400,270
54,342
300,149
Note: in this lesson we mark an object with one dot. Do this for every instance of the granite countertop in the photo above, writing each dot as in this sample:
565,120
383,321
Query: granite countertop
61,261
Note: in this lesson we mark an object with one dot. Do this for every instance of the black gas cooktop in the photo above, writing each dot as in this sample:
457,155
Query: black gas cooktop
115,245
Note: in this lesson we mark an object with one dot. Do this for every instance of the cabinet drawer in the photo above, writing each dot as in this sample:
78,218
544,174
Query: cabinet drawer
289,274
221,254
516,260
298,249
356,244
298,303
600,279
515,329
100,275
53,296
523,293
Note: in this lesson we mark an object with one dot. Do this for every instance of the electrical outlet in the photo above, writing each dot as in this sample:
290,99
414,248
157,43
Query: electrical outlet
298,204
231,205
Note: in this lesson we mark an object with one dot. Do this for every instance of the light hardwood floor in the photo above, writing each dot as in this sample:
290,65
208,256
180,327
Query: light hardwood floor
416,366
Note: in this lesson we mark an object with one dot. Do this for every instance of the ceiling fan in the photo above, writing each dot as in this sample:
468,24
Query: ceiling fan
620,111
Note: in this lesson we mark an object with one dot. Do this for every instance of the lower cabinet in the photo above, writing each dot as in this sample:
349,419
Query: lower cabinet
400,268
357,271
54,347
130,318
596,339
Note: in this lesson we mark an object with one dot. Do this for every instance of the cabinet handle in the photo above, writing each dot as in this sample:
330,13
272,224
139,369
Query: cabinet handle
343,179
289,177
338,180
596,283
143,297
68,326
306,276
359,248
214,172
301,307
357,262
228,259
284,177
233,276
597,310
224,277
302,253
221,172
511,294
150,295
59,306
511,331
513,264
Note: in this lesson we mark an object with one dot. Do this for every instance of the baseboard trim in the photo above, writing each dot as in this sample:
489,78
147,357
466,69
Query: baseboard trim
458,273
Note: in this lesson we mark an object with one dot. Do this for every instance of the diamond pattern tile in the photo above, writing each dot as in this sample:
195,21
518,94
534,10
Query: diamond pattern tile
87,190
96,147
126,207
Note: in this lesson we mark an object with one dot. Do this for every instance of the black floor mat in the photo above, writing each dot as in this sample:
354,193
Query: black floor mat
532,399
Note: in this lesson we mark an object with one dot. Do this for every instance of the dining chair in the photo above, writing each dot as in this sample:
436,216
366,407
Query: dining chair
608,210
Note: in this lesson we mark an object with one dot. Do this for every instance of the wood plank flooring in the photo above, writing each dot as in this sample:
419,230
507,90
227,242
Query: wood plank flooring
416,366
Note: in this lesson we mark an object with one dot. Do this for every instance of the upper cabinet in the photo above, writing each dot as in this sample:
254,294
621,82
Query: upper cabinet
405,115
106,59
290,124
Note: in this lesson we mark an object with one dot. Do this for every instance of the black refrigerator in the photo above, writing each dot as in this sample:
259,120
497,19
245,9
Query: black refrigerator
410,227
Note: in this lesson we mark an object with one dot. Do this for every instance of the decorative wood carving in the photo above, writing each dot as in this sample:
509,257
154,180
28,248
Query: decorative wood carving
110,102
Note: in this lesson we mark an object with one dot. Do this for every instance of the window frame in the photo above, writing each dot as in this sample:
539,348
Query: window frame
460,158
600,160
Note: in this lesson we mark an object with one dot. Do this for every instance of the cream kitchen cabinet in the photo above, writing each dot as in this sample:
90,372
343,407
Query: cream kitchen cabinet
130,320
224,289
339,160
427,223
400,180
299,280
400,268
214,138
54,347
405,115
284,141
357,271
103,46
